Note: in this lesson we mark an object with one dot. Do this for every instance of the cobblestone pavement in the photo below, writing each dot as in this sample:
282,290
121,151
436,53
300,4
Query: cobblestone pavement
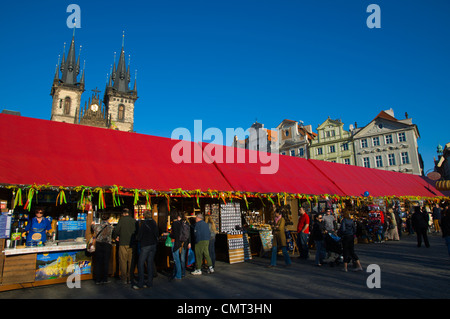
407,272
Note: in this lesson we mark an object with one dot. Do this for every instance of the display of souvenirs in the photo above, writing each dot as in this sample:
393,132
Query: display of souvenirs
253,217
247,249
230,217
235,243
266,239
375,220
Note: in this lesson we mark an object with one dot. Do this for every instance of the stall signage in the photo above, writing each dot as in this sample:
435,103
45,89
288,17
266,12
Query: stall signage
61,264
5,225
71,225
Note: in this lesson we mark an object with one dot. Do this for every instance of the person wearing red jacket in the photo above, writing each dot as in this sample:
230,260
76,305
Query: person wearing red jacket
303,234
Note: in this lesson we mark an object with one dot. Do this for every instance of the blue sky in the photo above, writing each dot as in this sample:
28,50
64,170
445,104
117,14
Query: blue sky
230,62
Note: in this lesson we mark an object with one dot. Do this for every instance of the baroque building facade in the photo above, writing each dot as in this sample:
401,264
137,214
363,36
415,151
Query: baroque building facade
115,111
333,143
389,143
295,138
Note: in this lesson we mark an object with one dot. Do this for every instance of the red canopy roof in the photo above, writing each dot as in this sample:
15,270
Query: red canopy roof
43,152
285,174
38,152
356,180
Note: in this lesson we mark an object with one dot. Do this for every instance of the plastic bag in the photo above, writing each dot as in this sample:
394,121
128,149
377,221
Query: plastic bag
191,257
169,242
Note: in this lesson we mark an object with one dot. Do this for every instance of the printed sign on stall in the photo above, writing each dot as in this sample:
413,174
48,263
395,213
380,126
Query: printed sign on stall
61,264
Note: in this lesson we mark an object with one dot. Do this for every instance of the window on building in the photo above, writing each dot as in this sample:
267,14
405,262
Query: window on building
345,146
283,153
402,137
301,152
376,141
319,151
332,149
364,143
330,133
388,139
391,159
67,105
405,158
379,161
121,115
366,162
347,161
292,152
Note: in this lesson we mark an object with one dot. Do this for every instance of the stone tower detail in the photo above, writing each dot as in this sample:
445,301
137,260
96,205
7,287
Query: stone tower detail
118,98
66,90
116,111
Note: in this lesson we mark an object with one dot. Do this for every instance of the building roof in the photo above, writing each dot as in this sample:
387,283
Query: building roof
385,116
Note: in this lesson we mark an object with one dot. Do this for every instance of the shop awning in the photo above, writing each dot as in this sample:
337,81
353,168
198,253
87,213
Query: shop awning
356,180
40,152
244,169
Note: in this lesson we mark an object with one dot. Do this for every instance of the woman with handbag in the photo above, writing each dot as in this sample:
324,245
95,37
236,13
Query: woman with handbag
103,246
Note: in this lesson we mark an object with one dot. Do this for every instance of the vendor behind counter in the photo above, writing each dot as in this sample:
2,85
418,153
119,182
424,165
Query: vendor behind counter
37,229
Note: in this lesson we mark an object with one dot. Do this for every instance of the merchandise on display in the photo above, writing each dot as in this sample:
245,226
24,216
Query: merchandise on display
230,217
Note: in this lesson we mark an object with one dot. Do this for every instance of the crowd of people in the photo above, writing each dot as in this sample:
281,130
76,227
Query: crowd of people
137,246
326,232
329,233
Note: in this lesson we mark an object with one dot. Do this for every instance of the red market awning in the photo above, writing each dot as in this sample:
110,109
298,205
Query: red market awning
356,180
244,169
42,152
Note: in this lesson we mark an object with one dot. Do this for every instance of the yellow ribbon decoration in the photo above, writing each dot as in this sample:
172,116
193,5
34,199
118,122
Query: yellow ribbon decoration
61,196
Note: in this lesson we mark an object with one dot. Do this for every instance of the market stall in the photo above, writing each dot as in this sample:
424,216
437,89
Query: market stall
113,169
87,170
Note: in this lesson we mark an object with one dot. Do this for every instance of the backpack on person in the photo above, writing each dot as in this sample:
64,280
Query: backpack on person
185,231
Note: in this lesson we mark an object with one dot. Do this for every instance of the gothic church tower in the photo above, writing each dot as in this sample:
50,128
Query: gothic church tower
66,91
116,111
118,98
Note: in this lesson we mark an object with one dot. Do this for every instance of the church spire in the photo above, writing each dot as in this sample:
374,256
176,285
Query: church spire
120,75
70,67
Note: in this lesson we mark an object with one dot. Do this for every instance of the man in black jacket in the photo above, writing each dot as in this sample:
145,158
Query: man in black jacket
419,221
148,237
445,227
180,245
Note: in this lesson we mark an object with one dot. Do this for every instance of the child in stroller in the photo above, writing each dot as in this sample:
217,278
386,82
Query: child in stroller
333,246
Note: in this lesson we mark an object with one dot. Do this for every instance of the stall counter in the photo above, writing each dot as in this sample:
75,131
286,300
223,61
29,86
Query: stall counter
43,249
21,267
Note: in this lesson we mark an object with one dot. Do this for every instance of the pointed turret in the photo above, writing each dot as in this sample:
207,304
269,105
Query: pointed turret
121,78
69,67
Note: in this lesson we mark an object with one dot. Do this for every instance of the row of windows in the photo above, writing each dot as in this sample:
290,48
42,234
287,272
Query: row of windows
390,160
388,139
332,149
301,152
346,161
121,100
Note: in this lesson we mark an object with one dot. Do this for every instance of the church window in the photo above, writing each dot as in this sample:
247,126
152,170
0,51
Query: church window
121,115
67,104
